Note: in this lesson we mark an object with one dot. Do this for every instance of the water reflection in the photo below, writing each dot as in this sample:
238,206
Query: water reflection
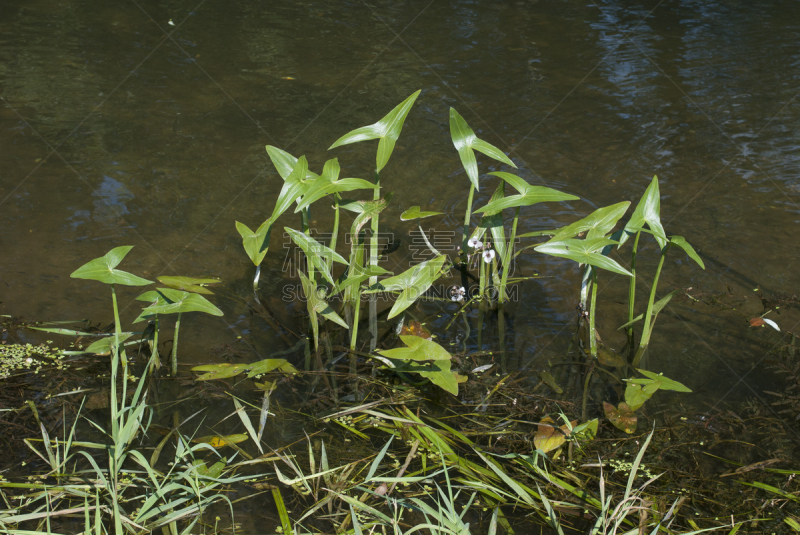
593,100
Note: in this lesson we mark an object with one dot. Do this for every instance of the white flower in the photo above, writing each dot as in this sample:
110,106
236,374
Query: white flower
457,293
475,243
488,255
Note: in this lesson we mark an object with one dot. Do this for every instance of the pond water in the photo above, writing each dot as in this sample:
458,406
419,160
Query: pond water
144,123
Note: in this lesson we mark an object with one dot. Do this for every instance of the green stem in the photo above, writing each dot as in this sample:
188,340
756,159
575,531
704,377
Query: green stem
632,292
467,217
648,325
305,216
354,335
507,259
155,359
175,347
592,336
482,283
373,261
335,236
115,356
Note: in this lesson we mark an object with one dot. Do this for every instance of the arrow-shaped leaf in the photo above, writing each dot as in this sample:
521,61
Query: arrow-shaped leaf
256,244
284,163
318,254
189,284
417,348
387,130
415,213
411,284
104,270
648,212
179,301
465,140
584,252
328,182
294,186
681,242
528,194
596,225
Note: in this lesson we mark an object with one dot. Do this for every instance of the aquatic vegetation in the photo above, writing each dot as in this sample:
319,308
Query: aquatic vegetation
472,460
15,358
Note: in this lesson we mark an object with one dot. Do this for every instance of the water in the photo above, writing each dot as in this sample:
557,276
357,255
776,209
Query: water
118,128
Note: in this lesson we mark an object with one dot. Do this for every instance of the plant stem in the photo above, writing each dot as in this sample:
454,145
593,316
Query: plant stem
647,329
373,261
482,283
115,356
465,237
586,384
175,347
592,336
507,259
335,236
632,293
354,335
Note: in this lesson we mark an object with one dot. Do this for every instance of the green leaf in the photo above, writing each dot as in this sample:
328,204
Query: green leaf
256,244
666,382
596,225
387,129
528,195
681,242
103,269
318,254
493,222
225,370
417,348
415,213
188,284
635,395
465,140
316,304
284,163
366,210
443,377
411,284
658,306
181,302
421,349
328,183
152,297
584,252
357,274
104,345
586,430
294,187
648,212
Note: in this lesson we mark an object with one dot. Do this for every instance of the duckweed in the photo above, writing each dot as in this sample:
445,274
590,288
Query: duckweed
16,358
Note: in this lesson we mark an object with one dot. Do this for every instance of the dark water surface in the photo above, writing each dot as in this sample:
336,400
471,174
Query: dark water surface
117,128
